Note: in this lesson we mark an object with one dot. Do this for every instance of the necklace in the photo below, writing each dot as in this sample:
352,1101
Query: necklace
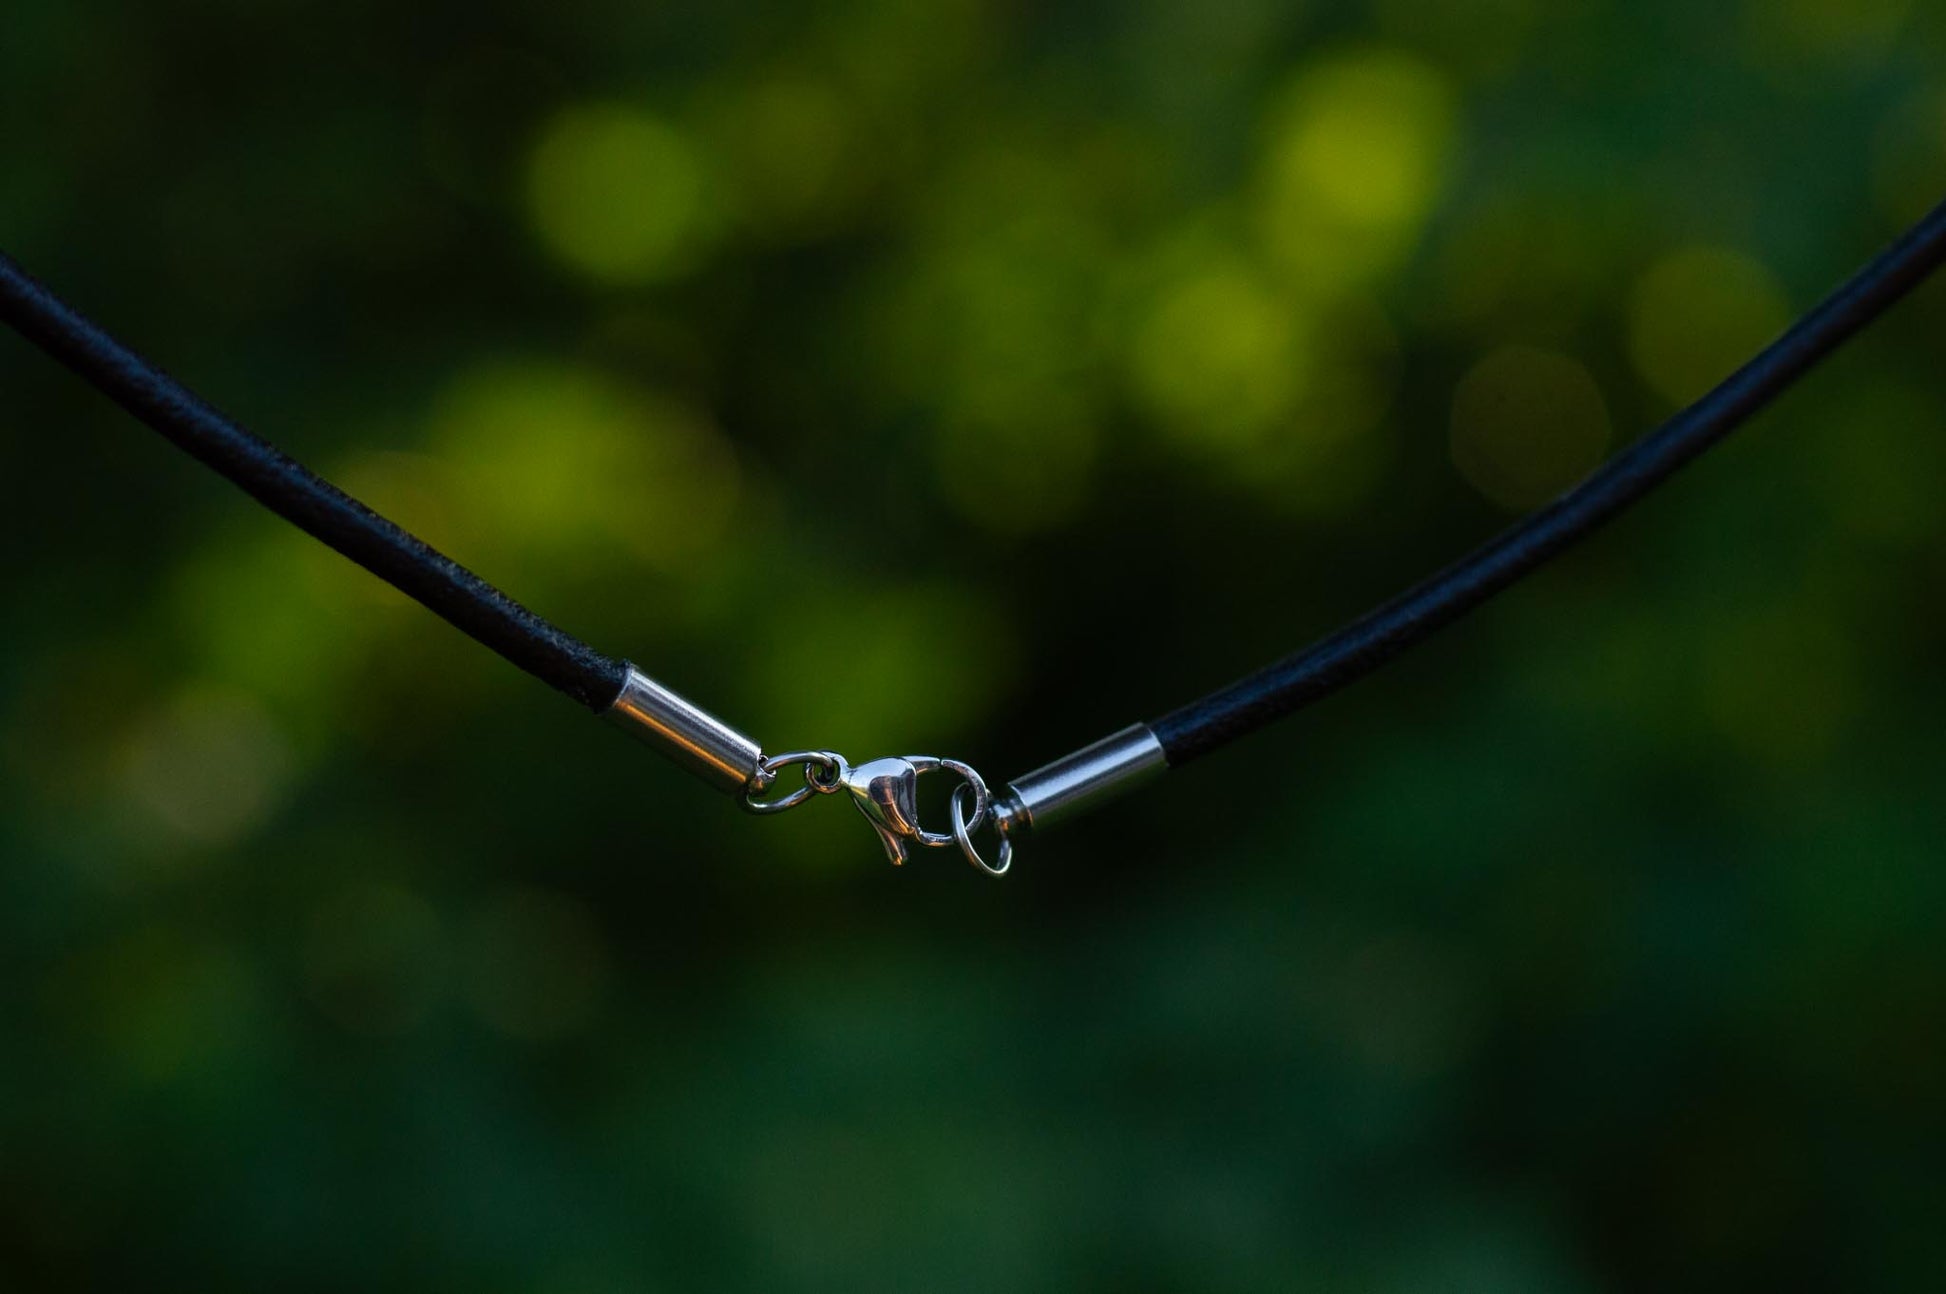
885,790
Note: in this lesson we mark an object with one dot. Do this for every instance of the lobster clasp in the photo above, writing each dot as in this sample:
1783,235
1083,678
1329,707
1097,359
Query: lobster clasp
886,791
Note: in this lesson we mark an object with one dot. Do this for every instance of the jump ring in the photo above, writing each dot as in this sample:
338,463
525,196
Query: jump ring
829,763
963,835
982,800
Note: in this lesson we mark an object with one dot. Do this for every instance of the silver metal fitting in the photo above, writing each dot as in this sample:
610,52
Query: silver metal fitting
686,733
886,793
1110,767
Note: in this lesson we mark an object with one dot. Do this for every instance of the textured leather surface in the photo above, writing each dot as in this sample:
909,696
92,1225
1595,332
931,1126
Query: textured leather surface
308,501
1356,650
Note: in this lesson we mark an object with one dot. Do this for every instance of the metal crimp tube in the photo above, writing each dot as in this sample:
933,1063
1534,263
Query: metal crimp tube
691,736
1073,783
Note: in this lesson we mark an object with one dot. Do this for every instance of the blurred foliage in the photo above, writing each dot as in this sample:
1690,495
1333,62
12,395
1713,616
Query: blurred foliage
961,376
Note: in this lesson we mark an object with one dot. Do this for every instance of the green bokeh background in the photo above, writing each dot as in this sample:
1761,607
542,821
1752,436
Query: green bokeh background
972,377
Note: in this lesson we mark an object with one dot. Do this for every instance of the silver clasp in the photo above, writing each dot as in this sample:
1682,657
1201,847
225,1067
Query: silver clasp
886,792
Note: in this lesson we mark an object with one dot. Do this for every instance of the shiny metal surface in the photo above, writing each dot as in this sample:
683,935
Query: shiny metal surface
963,830
1082,780
824,772
686,733
886,791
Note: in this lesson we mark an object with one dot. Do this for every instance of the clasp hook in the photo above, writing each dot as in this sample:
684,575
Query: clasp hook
886,793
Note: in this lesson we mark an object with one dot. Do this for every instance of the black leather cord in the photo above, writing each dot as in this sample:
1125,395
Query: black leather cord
1361,647
306,500
563,662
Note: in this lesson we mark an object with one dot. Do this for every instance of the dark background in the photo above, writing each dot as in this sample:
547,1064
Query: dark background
972,378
